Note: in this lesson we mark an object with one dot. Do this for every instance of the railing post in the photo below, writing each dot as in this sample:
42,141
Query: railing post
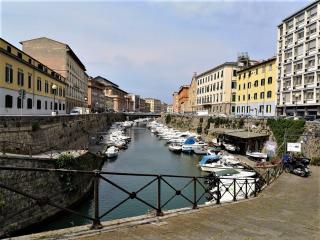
194,192
3,147
218,192
159,212
246,195
234,190
96,223
268,182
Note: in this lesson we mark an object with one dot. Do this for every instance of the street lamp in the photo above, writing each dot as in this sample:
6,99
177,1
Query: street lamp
54,88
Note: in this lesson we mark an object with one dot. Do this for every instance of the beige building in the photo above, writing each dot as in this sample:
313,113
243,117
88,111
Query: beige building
193,94
62,59
216,89
120,101
96,98
175,102
155,105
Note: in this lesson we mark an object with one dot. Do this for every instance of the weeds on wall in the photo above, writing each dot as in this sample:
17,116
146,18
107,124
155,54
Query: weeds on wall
168,119
66,161
293,128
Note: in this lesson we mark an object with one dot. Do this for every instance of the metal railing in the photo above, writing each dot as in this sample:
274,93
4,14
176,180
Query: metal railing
215,189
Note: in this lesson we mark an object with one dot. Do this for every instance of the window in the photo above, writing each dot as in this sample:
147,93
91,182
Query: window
288,54
256,71
289,39
262,82
234,72
256,83
287,68
19,55
233,98
29,103
38,104
263,69
8,101
46,87
311,45
298,66
269,80
311,29
312,12
243,97
249,97
39,84
300,35
239,87
18,102
221,73
9,49
298,51
310,62
60,106
234,85
289,25
262,95
20,77
244,86
9,73
269,94
45,105
29,80
297,81
255,96
309,79
300,19
249,85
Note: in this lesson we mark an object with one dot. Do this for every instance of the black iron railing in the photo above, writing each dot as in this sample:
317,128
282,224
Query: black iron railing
215,189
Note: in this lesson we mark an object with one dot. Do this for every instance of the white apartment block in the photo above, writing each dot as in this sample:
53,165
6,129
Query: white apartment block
216,89
298,60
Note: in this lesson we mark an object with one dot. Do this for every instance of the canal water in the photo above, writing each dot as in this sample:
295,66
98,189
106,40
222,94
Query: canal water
146,153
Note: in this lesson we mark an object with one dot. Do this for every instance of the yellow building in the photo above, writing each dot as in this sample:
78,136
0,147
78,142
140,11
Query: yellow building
44,90
155,105
256,89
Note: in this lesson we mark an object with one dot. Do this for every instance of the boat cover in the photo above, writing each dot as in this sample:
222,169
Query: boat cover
190,140
209,157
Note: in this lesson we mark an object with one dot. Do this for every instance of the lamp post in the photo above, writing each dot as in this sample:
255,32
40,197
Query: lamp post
54,88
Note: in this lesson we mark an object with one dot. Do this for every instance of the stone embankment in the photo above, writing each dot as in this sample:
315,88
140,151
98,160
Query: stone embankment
210,127
39,134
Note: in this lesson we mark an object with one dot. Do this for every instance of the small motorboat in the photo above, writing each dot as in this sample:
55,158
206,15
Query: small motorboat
177,148
230,147
256,155
214,150
200,150
112,152
187,148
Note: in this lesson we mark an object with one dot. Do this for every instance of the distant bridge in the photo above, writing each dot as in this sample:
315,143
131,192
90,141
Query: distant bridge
136,115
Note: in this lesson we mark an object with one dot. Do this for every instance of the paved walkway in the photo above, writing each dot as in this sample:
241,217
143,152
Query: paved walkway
288,209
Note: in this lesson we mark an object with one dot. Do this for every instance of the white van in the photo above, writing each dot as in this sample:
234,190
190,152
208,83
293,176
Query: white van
79,111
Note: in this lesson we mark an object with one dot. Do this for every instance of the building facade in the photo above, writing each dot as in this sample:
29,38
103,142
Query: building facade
216,89
120,101
62,59
299,63
143,105
183,99
96,97
193,94
164,107
256,89
169,109
155,105
175,102
43,89
136,102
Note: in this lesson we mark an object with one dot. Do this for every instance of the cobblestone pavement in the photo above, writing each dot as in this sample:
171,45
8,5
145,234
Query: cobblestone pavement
287,209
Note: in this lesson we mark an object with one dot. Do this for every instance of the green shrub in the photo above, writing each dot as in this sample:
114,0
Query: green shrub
66,161
168,119
35,126
293,128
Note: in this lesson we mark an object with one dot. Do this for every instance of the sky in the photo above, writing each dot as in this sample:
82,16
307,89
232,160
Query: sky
150,48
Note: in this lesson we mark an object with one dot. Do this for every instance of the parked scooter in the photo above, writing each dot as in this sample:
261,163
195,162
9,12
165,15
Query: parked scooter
297,166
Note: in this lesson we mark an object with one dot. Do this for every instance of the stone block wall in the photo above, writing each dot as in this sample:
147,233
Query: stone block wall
39,134
18,212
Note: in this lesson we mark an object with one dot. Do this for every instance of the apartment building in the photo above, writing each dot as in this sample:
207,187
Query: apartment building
136,102
183,99
155,105
299,63
216,89
175,102
27,86
193,93
61,58
142,105
96,97
170,109
120,101
256,89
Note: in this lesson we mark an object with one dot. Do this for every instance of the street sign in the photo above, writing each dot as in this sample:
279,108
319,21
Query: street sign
294,147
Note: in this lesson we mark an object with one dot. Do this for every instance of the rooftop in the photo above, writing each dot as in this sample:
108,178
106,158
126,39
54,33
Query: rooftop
300,11
258,64
234,64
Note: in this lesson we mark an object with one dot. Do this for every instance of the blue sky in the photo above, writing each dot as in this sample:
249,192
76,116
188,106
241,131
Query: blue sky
150,48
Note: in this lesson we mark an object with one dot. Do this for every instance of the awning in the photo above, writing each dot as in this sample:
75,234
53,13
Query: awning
246,134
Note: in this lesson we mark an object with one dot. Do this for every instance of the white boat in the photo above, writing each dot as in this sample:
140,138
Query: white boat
257,155
230,147
175,147
215,142
187,148
200,150
112,152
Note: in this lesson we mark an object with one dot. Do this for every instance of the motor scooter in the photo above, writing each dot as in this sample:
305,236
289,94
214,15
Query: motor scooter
297,166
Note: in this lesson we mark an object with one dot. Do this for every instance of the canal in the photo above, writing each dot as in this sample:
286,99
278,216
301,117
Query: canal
146,153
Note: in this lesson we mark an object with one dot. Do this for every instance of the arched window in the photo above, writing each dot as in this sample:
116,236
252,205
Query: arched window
39,104
29,103
8,101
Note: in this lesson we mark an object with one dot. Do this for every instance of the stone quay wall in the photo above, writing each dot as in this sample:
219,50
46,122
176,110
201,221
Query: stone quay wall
35,134
209,130
18,212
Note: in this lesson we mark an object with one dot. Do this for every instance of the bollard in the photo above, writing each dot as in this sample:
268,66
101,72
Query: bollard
159,212
96,224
